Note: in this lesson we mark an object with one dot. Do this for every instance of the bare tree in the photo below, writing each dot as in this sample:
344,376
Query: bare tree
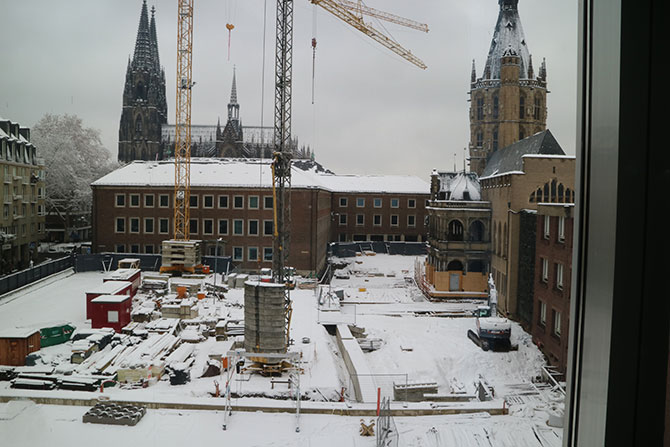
74,157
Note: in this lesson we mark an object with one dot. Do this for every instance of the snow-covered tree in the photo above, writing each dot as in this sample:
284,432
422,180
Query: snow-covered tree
74,157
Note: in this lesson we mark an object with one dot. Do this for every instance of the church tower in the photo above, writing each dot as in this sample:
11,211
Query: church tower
144,103
230,141
508,102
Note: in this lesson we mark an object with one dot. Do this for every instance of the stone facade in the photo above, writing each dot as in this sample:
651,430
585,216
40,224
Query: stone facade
552,277
22,176
508,102
144,102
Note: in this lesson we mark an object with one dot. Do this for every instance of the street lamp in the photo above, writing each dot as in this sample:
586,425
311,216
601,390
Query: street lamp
216,258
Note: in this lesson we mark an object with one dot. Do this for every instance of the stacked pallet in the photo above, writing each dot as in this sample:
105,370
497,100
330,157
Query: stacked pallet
181,253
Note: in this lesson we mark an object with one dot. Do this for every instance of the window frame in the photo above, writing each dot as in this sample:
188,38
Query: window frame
153,200
218,227
118,196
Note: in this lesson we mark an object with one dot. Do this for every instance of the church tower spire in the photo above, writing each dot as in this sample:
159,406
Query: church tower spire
233,106
144,100
507,103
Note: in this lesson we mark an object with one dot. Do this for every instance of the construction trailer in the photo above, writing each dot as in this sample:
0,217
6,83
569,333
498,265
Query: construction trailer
16,344
111,311
107,288
132,275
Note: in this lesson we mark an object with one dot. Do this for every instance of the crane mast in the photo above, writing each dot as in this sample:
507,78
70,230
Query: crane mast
182,149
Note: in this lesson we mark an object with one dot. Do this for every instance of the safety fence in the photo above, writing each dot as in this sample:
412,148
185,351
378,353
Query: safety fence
35,273
148,262
387,433
349,249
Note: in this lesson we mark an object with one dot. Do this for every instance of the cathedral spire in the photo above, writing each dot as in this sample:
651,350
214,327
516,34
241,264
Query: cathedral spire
233,90
233,106
473,75
508,32
153,39
142,57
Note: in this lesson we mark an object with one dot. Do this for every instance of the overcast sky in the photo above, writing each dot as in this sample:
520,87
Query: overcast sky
374,113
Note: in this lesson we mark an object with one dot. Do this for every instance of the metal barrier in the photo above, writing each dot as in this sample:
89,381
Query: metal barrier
387,433
30,275
349,249
148,262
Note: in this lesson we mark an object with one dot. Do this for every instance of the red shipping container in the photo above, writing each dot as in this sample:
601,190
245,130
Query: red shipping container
107,288
132,275
111,311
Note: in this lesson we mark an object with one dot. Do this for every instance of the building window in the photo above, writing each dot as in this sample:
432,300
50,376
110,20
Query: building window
394,220
163,225
134,200
496,106
479,139
395,203
193,226
543,313
267,253
135,248
343,219
377,202
360,219
547,226
238,227
238,202
253,227
360,202
193,201
149,249
480,108
149,225
411,203
495,139
522,107
545,270
164,200
267,202
411,221
536,109
561,229
344,202
134,224
223,201
252,253
377,220
559,276
557,323
120,200
208,226
120,248
208,201
253,202
223,226
268,228
238,253
120,226
148,200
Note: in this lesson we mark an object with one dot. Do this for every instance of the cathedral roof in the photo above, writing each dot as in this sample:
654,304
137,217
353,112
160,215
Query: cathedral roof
510,159
507,37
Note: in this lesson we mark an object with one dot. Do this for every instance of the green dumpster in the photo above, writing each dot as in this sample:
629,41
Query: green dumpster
55,335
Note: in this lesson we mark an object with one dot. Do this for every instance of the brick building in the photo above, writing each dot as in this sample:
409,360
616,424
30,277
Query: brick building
516,179
22,177
553,273
231,199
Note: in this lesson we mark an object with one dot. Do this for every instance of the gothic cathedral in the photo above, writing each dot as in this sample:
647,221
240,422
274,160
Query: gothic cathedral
144,103
508,102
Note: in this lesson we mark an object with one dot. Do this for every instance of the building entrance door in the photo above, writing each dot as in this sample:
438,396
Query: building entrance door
454,282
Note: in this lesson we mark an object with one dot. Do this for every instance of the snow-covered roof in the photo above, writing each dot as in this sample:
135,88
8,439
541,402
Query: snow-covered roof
256,173
460,186
110,299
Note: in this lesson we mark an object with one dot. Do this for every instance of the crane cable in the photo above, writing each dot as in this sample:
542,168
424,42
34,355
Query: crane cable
313,48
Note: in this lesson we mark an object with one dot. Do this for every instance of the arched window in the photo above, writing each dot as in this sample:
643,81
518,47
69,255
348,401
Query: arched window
455,265
522,107
561,197
496,106
536,108
553,191
480,108
477,231
532,197
538,195
505,240
455,231
479,138
495,139
140,91
568,197
546,193
522,134
138,124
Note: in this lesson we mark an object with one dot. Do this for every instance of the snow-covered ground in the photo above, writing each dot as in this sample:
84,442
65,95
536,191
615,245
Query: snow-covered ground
420,341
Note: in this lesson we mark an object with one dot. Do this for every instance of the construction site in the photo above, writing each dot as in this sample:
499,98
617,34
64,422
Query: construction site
356,353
